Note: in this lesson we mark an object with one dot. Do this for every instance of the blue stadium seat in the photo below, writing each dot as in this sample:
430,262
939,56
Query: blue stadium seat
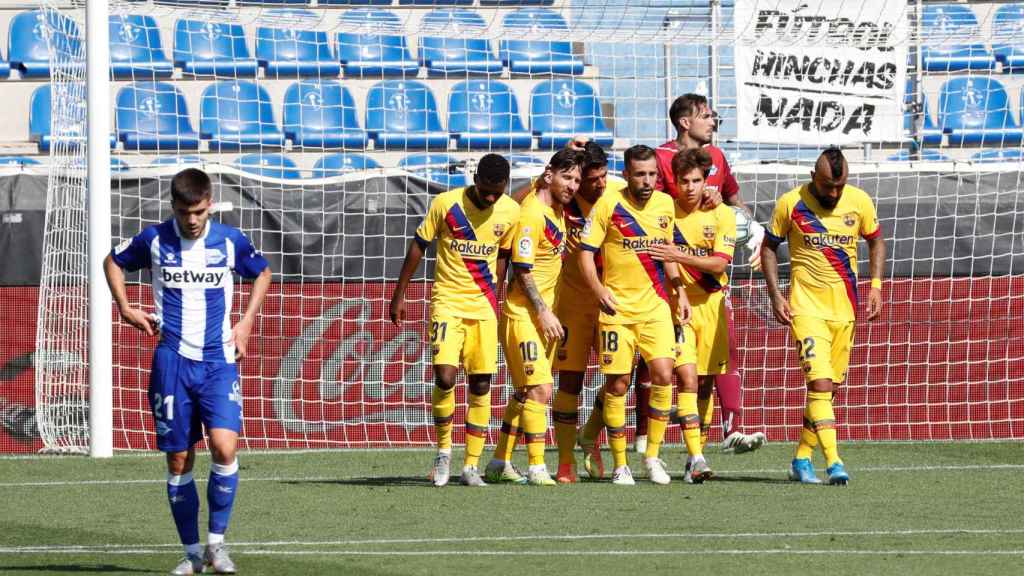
517,2
380,50
1004,155
561,109
154,116
237,115
538,56
948,31
190,160
39,124
354,2
1008,37
342,163
403,114
484,115
435,2
135,48
448,46
292,52
930,135
440,168
321,115
976,110
27,48
18,161
926,155
520,160
212,49
5,68
269,166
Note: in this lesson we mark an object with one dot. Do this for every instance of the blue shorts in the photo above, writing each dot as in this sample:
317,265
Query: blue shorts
184,393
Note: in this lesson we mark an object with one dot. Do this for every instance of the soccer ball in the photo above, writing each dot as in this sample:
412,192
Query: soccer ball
742,226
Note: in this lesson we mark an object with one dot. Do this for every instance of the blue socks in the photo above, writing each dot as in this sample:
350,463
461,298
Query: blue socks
220,497
184,501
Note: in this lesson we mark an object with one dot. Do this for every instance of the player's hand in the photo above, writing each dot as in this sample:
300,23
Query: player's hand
664,252
780,308
683,310
712,198
754,245
874,303
577,142
397,310
607,302
550,327
140,320
240,336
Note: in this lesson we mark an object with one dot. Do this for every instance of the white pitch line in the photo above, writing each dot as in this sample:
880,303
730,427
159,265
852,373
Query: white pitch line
536,537
739,472
579,553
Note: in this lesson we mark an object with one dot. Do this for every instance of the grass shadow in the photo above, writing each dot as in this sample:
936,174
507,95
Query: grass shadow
74,569
375,481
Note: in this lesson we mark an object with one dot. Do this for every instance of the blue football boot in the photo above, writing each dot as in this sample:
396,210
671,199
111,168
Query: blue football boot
802,470
837,475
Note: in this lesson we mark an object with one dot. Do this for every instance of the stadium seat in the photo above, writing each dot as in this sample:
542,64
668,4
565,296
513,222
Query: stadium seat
39,122
27,48
976,110
341,163
5,68
1004,155
321,115
291,52
440,168
520,160
135,48
950,34
212,49
925,155
484,114
538,56
435,2
18,161
190,160
930,135
1008,37
354,2
379,49
561,109
154,116
237,115
448,45
517,2
402,114
269,166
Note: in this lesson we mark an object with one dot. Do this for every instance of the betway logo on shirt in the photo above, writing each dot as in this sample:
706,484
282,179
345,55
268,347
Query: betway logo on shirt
472,248
641,244
828,240
193,277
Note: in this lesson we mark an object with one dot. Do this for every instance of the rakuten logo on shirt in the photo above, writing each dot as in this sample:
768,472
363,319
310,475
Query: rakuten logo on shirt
193,277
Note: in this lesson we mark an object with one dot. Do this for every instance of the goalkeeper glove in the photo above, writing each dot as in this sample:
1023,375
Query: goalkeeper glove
754,244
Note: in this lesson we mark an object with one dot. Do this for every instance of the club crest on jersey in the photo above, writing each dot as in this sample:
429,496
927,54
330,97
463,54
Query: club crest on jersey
664,221
850,219
528,369
709,232
214,257
499,229
607,359
714,170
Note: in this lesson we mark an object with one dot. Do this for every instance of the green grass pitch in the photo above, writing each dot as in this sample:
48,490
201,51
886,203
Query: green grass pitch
919,508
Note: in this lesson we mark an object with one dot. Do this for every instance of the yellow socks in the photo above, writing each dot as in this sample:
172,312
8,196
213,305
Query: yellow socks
443,408
596,421
690,420
706,411
615,420
819,409
808,439
510,427
478,417
535,428
658,414
565,414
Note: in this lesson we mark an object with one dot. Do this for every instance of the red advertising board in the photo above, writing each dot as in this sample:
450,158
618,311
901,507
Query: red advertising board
327,369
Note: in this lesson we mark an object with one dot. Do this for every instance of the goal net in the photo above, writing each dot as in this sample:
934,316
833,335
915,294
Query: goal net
328,128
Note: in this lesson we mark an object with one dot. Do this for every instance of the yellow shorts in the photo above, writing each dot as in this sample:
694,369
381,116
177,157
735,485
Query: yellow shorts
653,338
580,327
704,341
471,343
823,347
527,356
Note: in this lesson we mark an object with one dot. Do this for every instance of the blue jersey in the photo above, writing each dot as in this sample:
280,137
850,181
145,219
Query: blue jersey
193,284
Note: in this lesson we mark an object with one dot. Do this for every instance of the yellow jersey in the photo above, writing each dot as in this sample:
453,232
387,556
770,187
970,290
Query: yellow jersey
622,231
573,287
468,241
538,245
823,249
705,233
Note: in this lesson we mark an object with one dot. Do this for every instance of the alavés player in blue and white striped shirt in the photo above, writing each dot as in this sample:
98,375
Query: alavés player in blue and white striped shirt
194,378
